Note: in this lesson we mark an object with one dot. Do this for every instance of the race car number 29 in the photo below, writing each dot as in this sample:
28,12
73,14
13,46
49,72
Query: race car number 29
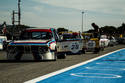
75,46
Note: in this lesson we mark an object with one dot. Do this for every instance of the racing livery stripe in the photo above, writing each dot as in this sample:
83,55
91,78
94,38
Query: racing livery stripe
53,41
28,44
73,39
32,43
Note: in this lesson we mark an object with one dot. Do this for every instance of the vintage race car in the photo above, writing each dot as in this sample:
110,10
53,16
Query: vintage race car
104,40
71,43
3,40
112,41
36,44
91,44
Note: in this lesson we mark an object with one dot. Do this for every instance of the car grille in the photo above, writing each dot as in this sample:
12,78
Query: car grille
30,49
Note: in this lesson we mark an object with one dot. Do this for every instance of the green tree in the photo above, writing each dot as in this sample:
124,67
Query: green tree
109,30
121,29
62,30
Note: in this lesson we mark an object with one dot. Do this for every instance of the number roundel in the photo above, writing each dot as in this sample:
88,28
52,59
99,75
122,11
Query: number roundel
74,47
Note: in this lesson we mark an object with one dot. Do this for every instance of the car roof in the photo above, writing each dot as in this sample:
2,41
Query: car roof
42,29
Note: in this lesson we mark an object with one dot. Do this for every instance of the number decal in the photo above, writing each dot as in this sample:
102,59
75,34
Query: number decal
74,46
91,44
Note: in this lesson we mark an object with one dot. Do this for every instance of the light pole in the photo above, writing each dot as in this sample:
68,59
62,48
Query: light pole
82,21
19,12
13,17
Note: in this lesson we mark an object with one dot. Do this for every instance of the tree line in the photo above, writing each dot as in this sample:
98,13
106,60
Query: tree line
111,30
108,30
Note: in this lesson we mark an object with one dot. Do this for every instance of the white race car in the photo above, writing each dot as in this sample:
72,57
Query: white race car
3,40
35,44
104,41
71,43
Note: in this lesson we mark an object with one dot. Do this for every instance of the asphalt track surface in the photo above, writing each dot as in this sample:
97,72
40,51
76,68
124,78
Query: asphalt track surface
19,72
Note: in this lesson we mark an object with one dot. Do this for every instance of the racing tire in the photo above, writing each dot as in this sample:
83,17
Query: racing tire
83,51
97,50
61,55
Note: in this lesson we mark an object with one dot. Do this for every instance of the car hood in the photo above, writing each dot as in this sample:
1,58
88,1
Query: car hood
30,42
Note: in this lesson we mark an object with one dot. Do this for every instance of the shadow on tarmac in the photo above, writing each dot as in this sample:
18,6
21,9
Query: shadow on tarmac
23,61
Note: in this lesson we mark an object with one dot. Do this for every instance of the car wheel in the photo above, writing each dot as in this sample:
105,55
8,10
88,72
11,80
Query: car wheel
96,50
61,55
83,51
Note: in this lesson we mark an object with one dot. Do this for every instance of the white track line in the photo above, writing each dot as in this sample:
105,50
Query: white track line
66,69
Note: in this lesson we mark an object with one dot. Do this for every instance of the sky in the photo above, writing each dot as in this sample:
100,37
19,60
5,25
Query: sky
65,13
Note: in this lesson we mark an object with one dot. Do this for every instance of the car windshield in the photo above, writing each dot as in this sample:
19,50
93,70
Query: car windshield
1,41
36,35
70,36
103,37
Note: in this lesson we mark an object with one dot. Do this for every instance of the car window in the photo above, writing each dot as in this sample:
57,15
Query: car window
103,37
1,41
70,36
36,35
41,35
67,36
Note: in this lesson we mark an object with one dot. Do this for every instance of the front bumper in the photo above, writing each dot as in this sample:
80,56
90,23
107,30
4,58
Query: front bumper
29,53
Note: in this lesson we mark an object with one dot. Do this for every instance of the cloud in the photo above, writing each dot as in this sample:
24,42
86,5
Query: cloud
32,19
38,8
66,13
105,6
5,16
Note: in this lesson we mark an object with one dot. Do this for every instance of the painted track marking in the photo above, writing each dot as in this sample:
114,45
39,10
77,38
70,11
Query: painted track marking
66,69
95,75
106,68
